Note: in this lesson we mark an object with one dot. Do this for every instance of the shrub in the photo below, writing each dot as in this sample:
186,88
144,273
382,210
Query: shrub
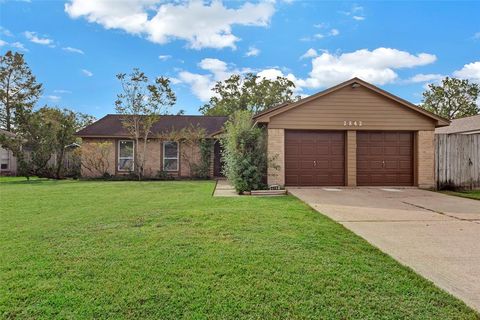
244,153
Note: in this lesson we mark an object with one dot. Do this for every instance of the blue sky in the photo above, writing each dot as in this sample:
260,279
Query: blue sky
76,47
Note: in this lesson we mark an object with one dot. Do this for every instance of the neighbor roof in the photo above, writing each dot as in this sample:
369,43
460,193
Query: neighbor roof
467,125
265,115
111,125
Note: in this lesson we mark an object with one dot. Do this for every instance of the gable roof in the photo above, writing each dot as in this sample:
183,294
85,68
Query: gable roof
265,115
467,125
111,125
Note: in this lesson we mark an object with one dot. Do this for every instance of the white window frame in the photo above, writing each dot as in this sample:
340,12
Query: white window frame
170,158
127,158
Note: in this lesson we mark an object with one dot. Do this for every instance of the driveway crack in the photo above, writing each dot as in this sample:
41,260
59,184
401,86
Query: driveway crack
439,212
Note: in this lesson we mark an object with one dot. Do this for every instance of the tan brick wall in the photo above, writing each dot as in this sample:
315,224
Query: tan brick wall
425,159
153,160
351,158
189,155
90,152
276,151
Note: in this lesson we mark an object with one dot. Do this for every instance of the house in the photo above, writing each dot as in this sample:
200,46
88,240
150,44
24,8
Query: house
353,134
467,125
171,157
8,163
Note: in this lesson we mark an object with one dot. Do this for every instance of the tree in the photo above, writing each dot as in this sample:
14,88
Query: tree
251,93
244,152
18,88
452,99
40,135
142,103
63,123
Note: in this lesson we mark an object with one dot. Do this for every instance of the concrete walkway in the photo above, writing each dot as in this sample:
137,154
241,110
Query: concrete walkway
435,234
224,189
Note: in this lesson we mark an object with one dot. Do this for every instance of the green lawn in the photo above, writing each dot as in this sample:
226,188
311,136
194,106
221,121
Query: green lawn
473,194
168,250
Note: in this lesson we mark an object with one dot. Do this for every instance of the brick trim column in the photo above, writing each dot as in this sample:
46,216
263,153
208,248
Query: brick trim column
276,153
425,159
351,158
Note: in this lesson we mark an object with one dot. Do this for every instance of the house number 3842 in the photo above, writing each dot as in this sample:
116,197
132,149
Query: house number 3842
352,123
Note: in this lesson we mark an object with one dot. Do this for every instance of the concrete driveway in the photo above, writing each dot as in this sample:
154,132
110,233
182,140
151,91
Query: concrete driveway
436,235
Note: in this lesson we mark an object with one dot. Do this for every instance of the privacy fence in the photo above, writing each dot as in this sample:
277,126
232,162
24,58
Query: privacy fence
457,161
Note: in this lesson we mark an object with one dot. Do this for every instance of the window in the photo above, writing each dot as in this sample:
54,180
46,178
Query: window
4,159
125,155
170,156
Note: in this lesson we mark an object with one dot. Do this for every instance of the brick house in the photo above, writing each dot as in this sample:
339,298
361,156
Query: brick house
171,157
353,134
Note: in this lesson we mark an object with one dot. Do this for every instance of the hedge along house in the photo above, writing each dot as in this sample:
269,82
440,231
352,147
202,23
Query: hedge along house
353,134
107,142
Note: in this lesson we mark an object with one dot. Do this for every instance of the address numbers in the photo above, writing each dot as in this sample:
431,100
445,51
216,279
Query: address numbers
352,123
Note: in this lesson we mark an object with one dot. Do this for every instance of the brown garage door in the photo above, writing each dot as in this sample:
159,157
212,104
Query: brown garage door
314,158
384,158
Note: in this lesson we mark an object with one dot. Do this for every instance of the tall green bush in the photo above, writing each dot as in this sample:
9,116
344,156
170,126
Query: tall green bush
244,153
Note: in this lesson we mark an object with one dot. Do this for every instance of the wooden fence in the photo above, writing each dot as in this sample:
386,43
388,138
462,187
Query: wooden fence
457,161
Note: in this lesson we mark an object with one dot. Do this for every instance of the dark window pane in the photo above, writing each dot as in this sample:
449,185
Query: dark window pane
126,149
171,149
4,166
125,164
170,165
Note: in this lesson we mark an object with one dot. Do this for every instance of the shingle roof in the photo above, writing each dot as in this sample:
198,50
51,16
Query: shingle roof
462,125
111,125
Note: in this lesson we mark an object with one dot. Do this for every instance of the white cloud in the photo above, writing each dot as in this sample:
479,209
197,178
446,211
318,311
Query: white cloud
19,46
376,66
469,71
5,32
73,50
421,77
334,32
164,57
87,73
53,98
202,84
62,91
33,37
252,52
330,33
356,12
3,43
201,24
311,53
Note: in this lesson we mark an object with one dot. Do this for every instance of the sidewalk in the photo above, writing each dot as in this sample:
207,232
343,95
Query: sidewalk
224,189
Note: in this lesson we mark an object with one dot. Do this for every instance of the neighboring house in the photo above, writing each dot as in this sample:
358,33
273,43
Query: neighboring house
467,125
353,134
170,157
8,163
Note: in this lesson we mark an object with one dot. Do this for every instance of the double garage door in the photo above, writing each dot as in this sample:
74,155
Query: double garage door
317,158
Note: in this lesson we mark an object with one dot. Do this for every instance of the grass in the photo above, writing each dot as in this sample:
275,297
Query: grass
472,194
168,250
